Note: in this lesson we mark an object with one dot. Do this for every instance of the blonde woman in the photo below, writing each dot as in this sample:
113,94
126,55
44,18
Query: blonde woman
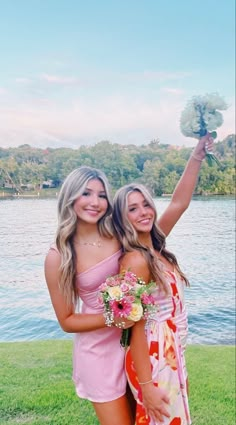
85,253
155,363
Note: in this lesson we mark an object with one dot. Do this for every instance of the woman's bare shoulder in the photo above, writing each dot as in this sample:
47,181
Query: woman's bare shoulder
53,256
135,262
134,256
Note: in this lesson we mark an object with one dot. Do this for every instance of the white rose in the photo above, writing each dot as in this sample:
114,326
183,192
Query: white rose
115,292
136,312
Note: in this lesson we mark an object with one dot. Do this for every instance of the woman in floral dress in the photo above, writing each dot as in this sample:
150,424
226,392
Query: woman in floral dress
155,362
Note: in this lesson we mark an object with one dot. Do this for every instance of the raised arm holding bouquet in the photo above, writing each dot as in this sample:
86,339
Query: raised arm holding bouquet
201,116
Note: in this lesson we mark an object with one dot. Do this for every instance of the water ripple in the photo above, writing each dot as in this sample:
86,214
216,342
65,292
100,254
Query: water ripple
203,241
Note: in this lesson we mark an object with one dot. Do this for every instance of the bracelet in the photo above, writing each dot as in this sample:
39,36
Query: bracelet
109,318
197,159
144,383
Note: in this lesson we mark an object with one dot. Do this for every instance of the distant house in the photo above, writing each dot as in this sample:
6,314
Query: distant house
8,185
27,186
48,184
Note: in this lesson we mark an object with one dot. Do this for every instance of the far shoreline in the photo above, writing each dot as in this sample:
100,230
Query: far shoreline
54,194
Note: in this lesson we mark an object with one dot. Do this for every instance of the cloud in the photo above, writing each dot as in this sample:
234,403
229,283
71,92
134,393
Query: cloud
172,91
56,79
228,126
3,91
49,84
23,80
162,75
144,76
119,118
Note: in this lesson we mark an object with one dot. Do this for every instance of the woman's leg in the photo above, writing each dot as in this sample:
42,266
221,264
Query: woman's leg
115,412
132,402
187,386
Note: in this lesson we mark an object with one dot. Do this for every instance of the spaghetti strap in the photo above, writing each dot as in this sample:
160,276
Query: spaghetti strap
53,247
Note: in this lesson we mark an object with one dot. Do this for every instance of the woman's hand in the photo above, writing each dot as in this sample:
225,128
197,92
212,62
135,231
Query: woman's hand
155,401
122,323
204,145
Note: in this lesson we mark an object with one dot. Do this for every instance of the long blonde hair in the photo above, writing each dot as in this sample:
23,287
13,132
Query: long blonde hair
72,188
129,237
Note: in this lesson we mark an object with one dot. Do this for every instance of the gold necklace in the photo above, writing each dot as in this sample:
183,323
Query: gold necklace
95,243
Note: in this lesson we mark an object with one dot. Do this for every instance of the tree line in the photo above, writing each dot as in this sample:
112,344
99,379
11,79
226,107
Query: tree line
158,166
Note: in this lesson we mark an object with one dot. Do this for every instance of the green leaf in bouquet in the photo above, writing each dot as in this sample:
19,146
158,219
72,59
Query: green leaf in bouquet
211,158
125,338
214,134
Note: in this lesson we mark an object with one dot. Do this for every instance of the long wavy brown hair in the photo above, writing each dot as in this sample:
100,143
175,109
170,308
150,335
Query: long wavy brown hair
128,236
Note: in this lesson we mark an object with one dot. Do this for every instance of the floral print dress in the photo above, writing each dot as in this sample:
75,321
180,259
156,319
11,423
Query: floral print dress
166,334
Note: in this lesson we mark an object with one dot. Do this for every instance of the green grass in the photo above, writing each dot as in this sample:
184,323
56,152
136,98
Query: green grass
211,372
36,386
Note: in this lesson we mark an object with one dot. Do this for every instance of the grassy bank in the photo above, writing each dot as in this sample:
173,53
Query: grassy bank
36,386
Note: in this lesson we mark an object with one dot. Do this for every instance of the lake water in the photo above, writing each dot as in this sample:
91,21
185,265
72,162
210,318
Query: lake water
203,241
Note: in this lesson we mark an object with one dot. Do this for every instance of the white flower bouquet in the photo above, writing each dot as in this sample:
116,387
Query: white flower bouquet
201,115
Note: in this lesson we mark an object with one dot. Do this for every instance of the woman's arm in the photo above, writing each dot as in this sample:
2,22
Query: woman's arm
155,400
184,190
69,321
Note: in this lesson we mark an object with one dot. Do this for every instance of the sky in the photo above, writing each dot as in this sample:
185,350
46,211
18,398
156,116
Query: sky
79,72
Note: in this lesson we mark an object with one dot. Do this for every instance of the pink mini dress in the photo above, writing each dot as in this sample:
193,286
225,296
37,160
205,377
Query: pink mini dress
98,358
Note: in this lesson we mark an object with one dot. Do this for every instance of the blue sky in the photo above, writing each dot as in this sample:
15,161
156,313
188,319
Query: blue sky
77,72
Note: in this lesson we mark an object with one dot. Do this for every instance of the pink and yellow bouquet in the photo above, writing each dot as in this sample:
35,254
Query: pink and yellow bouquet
126,296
